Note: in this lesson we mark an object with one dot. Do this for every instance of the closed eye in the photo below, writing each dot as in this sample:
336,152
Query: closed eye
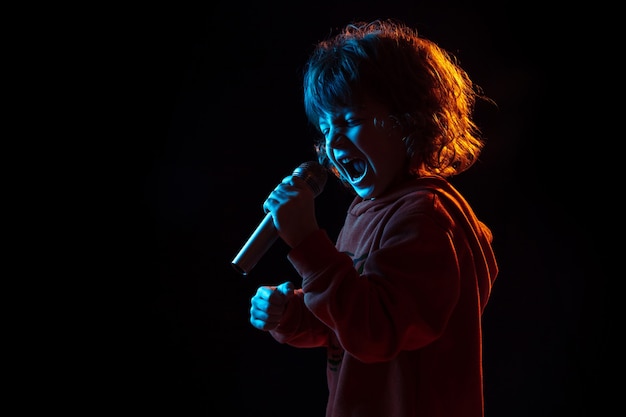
353,122
342,120
346,123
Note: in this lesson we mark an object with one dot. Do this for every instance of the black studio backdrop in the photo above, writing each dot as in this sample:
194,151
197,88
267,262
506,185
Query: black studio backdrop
222,123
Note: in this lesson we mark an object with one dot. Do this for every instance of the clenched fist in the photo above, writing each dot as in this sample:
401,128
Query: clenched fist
268,305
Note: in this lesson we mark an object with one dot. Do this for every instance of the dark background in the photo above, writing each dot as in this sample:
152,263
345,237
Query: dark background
215,95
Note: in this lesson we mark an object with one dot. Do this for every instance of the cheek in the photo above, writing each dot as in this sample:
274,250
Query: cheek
390,153
383,146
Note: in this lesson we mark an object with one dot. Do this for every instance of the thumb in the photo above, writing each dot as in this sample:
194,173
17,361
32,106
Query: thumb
286,288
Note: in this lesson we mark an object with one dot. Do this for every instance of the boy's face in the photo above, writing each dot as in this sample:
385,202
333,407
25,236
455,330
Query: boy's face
365,148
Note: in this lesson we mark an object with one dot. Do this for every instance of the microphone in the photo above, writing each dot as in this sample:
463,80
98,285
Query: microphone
266,234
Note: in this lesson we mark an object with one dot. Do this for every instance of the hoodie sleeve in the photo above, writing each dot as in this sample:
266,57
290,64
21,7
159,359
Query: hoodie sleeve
300,327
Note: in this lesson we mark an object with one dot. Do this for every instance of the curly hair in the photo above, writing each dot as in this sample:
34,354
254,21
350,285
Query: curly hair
429,95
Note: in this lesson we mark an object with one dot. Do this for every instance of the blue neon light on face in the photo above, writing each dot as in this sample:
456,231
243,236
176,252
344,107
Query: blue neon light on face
369,155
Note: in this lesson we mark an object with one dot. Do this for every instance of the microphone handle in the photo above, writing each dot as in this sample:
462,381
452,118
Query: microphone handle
261,240
266,234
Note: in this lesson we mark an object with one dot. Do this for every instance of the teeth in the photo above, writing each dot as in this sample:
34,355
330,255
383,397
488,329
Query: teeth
356,169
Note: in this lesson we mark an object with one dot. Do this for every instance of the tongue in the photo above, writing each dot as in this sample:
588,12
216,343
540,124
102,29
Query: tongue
358,168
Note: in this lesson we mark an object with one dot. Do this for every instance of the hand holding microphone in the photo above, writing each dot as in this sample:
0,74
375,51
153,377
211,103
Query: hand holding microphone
286,206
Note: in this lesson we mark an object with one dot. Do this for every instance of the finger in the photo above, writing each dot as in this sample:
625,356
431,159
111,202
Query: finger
267,307
262,315
276,197
263,325
286,288
269,293
264,292
268,204
264,318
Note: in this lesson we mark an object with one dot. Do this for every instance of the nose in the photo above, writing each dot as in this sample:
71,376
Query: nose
335,137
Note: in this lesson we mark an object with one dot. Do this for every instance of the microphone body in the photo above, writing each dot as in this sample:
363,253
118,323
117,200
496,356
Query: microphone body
266,234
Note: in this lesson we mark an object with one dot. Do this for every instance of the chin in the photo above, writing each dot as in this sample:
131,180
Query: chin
365,194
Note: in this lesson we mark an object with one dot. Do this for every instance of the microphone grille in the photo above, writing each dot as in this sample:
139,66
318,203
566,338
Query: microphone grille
314,174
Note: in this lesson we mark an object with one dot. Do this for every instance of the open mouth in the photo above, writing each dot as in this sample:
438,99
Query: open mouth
355,168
